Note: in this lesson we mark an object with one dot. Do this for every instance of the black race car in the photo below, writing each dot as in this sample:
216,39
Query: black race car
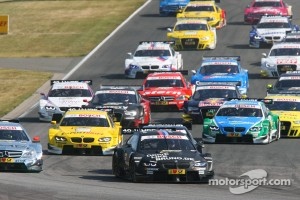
162,156
124,100
207,98
287,84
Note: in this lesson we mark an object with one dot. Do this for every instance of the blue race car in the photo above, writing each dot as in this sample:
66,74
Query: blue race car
242,120
168,7
222,69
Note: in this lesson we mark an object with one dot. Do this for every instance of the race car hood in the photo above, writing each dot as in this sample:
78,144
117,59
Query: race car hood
172,155
270,32
282,60
84,131
191,33
68,101
246,122
287,115
151,60
161,91
202,14
14,145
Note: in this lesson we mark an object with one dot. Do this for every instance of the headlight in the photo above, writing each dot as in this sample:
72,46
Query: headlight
105,139
257,37
131,113
255,129
131,66
29,153
60,139
205,38
200,164
270,65
50,108
214,128
297,122
150,164
167,66
181,97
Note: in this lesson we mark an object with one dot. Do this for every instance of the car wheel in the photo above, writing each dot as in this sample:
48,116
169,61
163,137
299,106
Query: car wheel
132,173
117,170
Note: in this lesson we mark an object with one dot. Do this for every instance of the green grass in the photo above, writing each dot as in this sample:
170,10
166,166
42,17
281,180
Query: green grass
42,28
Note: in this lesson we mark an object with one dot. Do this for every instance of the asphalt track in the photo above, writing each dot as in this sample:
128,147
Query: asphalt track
89,177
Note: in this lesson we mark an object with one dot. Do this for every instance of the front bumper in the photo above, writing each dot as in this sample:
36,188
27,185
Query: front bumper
20,164
222,138
192,44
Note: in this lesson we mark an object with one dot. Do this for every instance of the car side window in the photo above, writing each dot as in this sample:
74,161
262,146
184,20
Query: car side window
133,141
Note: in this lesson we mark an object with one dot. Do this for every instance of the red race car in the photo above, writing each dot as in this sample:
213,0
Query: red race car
258,8
166,90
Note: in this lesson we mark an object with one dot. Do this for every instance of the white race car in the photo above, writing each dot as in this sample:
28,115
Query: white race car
152,56
64,94
282,57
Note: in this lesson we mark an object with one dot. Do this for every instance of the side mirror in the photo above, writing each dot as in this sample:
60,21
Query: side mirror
169,29
264,55
269,86
36,139
200,145
193,72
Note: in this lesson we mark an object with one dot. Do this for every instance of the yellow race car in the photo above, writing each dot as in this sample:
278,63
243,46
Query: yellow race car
208,10
84,131
192,34
287,107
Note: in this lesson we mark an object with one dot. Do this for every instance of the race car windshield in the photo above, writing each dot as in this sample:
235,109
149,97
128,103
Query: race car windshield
152,53
191,27
85,121
284,105
70,93
287,84
18,135
285,52
239,112
199,8
266,4
214,69
214,93
273,25
166,144
104,98
164,83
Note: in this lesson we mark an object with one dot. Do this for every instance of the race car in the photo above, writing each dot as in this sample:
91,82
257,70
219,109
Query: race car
151,56
171,7
209,10
287,107
270,29
258,8
166,90
84,131
64,94
207,98
18,152
192,34
287,84
222,69
242,121
124,99
161,156
282,57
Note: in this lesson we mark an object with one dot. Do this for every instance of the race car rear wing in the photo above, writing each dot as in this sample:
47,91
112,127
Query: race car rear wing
70,81
10,120
230,83
266,101
184,72
238,58
156,126
134,87
157,42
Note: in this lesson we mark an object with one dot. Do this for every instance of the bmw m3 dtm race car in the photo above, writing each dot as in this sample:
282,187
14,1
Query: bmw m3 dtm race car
168,7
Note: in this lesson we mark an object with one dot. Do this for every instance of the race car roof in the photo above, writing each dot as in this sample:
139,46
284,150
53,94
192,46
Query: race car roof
191,21
286,45
201,3
164,75
86,113
115,91
287,98
295,75
272,19
10,125
152,45
70,85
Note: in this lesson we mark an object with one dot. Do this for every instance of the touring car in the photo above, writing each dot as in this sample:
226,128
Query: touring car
163,156
166,90
207,98
282,57
126,100
222,69
288,84
64,94
151,56
294,36
170,7
258,8
192,34
18,152
287,107
84,131
270,29
242,121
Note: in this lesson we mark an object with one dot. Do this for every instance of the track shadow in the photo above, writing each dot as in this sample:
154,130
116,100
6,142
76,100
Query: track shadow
237,23
30,119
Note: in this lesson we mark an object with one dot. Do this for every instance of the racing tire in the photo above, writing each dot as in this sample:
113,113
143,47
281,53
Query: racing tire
117,170
132,172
